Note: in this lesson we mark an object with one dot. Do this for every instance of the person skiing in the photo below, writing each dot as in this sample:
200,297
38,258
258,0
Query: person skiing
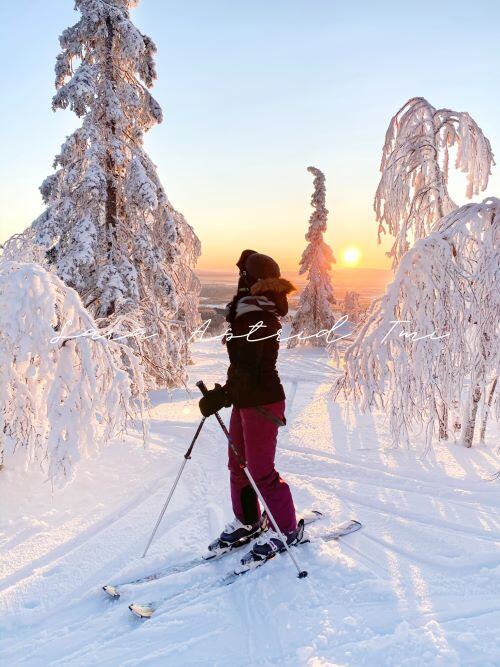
254,389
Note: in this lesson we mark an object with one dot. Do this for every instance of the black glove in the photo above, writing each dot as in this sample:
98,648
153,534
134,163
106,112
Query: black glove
213,401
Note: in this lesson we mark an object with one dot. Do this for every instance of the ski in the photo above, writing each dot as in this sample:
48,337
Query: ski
146,610
114,590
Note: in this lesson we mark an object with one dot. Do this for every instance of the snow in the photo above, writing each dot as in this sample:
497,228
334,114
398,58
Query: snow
418,585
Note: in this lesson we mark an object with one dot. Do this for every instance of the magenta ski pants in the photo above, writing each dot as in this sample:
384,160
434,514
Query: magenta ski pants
254,436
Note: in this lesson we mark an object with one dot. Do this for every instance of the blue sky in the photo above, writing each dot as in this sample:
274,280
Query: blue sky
252,94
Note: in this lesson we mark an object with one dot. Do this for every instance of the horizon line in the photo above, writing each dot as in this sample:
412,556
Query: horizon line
344,268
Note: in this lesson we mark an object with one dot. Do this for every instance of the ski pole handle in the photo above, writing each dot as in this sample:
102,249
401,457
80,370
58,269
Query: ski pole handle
202,387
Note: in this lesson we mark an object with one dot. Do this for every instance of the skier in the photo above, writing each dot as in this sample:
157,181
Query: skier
254,390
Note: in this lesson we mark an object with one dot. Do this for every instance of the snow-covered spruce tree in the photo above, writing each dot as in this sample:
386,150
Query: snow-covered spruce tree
351,306
109,229
447,285
60,398
412,194
314,313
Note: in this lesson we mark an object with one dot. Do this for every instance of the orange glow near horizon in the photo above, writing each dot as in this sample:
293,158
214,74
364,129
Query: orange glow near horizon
287,252
273,226
277,227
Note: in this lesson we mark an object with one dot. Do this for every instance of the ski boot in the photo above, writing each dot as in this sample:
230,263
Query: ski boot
267,546
234,536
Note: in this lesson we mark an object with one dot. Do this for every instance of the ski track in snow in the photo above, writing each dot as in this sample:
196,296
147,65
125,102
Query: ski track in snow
418,585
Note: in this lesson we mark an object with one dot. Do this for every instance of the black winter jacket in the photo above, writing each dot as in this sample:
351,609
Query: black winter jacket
252,377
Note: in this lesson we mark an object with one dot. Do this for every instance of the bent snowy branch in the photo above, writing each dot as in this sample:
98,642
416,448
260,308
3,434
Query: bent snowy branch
61,398
446,296
412,194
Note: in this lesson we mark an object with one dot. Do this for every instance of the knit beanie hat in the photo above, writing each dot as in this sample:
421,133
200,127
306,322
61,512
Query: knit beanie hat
261,266
243,258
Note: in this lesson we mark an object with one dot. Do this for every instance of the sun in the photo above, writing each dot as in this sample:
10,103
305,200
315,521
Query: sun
351,255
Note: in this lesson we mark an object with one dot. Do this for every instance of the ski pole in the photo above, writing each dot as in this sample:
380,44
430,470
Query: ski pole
187,456
302,573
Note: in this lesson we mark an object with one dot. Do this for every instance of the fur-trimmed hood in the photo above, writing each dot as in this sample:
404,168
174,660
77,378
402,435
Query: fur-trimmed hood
273,290
267,294
277,285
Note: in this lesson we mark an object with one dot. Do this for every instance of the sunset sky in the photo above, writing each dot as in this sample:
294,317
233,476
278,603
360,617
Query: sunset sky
254,93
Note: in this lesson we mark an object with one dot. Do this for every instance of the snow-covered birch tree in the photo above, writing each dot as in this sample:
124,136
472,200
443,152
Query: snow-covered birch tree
61,398
413,194
314,313
430,344
109,230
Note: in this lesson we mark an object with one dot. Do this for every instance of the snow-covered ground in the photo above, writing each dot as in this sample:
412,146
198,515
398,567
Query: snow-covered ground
419,585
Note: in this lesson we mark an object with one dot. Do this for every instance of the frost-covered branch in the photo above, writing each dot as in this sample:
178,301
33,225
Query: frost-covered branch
412,194
61,399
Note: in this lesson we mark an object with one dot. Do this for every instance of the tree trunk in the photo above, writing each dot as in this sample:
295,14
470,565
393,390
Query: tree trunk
487,409
471,421
443,420
111,193
438,175
456,422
